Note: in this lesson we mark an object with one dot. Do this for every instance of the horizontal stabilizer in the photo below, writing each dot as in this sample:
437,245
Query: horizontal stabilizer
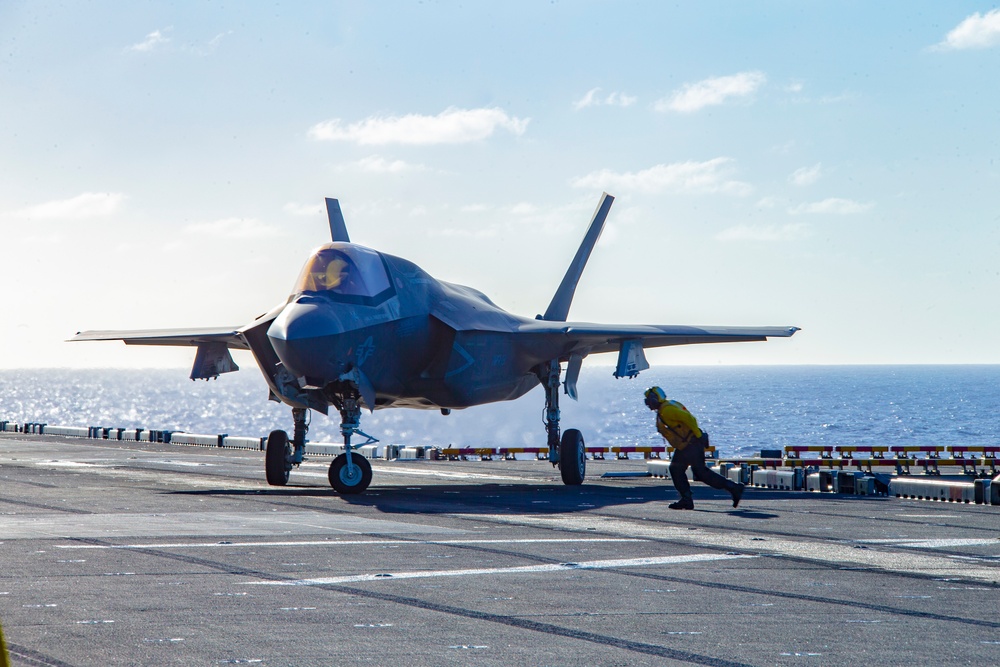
558,309
338,228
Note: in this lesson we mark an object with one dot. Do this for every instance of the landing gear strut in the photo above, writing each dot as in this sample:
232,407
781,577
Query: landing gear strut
568,452
350,472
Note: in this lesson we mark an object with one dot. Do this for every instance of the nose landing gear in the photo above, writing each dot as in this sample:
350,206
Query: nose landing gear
351,472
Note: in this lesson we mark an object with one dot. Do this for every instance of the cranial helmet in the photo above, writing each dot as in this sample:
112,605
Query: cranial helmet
655,393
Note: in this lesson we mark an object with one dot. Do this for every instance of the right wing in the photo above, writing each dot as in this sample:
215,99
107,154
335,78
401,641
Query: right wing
211,360
228,336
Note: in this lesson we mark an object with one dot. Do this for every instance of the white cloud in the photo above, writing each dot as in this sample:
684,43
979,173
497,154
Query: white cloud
232,228
296,208
87,205
210,47
152,40
978,31
375,164
694,96
451,126
831,205
706,177
806,175
615,99
790,232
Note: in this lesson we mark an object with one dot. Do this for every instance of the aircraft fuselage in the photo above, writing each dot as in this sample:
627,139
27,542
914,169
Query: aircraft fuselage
421,343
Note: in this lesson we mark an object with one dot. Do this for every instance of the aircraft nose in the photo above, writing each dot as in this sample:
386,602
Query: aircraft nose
305,338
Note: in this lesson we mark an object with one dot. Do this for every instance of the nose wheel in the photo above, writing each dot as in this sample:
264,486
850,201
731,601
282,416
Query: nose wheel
353,478
351,472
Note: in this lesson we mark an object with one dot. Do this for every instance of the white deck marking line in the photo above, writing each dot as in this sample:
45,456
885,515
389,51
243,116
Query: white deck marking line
339,543
838,553
524,569
934,543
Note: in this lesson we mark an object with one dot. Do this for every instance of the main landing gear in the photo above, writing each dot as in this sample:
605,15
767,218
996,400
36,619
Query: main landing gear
280,455
568,452
349,473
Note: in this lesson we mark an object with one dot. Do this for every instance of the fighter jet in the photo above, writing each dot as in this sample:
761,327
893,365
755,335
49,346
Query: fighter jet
365,329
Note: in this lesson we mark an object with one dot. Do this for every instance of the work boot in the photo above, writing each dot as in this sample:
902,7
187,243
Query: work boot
682,504
737,492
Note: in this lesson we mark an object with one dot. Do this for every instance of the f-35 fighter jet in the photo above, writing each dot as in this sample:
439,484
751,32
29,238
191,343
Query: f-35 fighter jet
364,329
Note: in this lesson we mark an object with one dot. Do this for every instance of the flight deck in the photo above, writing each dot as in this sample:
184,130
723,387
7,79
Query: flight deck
127,552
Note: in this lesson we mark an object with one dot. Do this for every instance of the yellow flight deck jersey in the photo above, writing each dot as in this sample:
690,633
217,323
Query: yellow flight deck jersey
676,424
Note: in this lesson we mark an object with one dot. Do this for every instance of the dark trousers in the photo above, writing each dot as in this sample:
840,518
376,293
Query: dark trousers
693,456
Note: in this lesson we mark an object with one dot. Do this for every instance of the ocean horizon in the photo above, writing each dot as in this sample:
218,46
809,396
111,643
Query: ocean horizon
744,408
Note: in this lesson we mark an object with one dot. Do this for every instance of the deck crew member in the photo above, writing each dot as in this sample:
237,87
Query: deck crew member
680,428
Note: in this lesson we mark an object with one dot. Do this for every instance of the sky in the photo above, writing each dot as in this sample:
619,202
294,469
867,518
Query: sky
826,165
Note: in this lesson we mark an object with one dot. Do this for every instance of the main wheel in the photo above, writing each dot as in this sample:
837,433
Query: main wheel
572,457
341,478
277,457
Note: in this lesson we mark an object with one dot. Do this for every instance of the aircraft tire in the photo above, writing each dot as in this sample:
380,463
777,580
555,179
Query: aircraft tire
344,484
276,455
572,458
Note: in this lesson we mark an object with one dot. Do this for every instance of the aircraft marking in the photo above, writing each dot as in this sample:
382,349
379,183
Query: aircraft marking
465,355
523,569
365,350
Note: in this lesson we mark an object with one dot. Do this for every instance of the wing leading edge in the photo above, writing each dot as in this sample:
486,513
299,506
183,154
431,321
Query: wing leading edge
229,336
596,338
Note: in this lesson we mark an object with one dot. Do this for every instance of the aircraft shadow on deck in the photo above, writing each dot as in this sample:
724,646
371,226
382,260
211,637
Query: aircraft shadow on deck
528,498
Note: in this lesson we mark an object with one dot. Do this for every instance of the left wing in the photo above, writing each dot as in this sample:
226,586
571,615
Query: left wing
575,340
587,338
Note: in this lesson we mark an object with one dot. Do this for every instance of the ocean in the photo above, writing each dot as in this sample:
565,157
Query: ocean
744,408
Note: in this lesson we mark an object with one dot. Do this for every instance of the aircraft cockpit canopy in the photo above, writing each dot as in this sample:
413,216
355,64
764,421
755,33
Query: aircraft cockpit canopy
345,270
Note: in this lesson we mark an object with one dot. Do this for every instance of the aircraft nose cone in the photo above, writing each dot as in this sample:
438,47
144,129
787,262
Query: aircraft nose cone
305,336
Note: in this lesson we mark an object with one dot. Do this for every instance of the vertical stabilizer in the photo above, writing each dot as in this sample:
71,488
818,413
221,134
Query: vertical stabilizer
338,228
559,307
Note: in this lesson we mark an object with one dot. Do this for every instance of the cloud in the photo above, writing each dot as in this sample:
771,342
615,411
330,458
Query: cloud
706,177
153,40
694,96
233,228
770,233
615,99
832,205
296,208
806,175
87,205
210,47
979,31
451,126
375,164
